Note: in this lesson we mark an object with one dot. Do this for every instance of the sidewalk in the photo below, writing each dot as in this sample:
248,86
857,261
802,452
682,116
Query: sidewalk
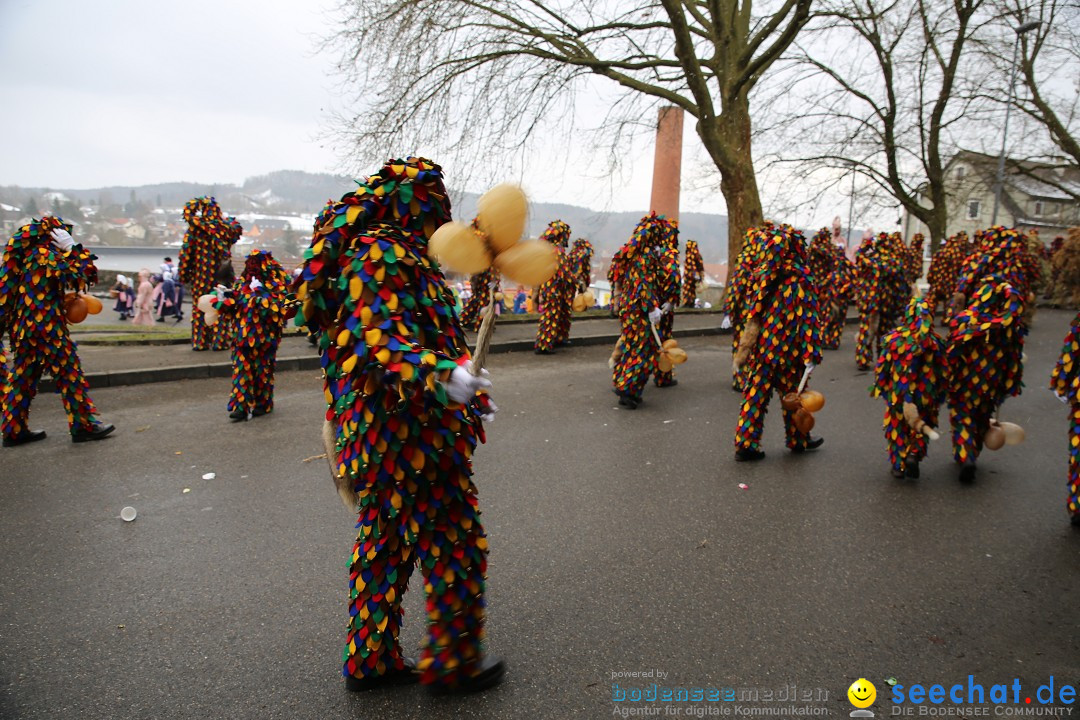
112,366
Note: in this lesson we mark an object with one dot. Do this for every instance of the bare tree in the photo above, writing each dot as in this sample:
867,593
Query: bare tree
896,89
483,76
1048,66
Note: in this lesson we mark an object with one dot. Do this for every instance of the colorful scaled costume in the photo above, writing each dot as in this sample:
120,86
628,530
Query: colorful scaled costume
913,259
693,273
1065,382
841,284
615,277
669,291
207,243
911,379
641,293
737,298
41,262
259,305
945,268
392,350
781,337
882,295
482,292
555,298
986,347
581,264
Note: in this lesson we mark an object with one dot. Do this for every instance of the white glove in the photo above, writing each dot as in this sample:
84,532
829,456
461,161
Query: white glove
255,283
666,308
654,315
490,416
62,240
1061,397
463,385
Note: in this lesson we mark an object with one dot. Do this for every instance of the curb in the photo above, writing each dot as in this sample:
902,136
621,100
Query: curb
202,371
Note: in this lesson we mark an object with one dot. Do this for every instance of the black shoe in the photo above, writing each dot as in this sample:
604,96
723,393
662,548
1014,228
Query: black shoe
489,673
628,402
911,468
161,319
26,436
863,368
1075,520
259,412
897,472
748,455
405,676
538,351
673,383
97,432
238,415
967,472
811,444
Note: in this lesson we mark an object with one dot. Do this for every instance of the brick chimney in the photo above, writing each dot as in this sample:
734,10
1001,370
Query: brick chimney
667,165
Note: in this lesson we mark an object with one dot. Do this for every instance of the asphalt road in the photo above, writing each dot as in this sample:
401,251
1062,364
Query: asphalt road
621,542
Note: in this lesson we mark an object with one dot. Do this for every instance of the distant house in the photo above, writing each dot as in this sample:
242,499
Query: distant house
1031,198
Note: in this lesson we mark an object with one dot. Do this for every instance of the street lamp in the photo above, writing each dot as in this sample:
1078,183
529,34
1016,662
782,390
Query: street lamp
851,209
1026,27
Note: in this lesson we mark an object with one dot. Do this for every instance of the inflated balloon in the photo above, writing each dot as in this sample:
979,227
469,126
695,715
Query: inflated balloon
530,306
804,420
677,355
210,317
812,400
1014,434
75,310
93,305
499,297
579,304
994,438
501,214
459,248
206,303
529,263
590,299
664,362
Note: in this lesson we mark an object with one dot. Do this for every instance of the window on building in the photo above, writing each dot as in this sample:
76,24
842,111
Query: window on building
973,210
960,171
1039,208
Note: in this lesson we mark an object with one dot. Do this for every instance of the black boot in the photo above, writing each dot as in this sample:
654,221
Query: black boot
811,444
24,437
96,432
238,415
489,673
967,472
911,468
407,675
748,454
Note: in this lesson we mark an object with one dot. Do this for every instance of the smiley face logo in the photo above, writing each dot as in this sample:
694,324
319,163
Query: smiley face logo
862,693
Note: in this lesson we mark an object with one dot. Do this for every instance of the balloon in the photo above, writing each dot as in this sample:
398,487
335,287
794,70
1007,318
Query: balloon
664,362
530,306
76,310
590,299
579,303
499,297
812,400
1014,434
804,420
670,343
210,317
529,263
93,305
994,437
206,303
677,355
459,248
501,213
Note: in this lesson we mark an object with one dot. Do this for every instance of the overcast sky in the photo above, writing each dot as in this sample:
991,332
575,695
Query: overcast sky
131,92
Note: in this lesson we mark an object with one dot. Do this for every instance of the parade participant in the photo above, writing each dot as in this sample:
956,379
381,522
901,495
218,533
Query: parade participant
206,245
841,284
639,306
910,377
736,298
781,338
403,419
259,304
1000,252
1065,382
581,264
554,299
669,291
693,273
985,360
482,293
945,268
125,297
144,304
614,278
883,293
40,262
821,257
913,259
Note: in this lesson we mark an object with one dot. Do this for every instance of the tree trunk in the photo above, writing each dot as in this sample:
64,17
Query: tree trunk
727,140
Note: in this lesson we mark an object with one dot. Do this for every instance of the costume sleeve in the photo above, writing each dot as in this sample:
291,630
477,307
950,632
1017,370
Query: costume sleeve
75,268
1065,379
